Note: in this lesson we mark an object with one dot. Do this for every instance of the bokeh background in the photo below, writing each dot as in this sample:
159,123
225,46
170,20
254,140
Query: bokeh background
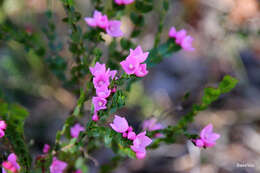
227,41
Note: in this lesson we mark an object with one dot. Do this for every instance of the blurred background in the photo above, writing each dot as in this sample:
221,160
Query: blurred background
227,41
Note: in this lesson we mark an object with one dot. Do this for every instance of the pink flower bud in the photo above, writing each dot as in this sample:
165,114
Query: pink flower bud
46,148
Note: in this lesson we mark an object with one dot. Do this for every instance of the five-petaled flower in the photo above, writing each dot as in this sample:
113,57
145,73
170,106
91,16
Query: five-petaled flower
207,137
119,124
132,63
140,143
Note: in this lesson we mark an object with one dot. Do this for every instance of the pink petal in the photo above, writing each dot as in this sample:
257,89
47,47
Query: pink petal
90,21
113,28
140,155
141,71
172,32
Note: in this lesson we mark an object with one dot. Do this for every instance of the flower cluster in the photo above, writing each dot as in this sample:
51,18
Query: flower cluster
181,38
101,81
207,137
112,27
11,164
57,166
124,2
132,63
75,130
2,128
140,141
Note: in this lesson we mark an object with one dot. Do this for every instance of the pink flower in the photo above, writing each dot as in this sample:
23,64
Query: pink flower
2,125
95,117
2,128
46,148
99,103
151,125
103,92
180,35
11,164
113,28
140,143
131,135
123,2
142,71
119,124
99,68
207,137
75,130
98,20
132,64
78,171
186,43
101,80
181,38
57,166
172,32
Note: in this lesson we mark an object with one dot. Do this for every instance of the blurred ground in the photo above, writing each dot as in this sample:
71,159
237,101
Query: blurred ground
227,41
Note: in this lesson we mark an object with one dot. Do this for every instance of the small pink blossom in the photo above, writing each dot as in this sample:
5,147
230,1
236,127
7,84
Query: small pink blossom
131,135
151,125
75,130
207,137
2,128
101,80
142,71
98,20
98,68
119,124
172,32
181,38
2,125
99,103
57,166
103,92
124,2
11,164
113,28
132,63
95,117
140,143
46,148
78,171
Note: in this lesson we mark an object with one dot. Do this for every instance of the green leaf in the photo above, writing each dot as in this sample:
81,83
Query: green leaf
143,6
227,84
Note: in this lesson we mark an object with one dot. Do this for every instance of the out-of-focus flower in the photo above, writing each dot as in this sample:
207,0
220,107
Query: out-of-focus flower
151,125
78,171
99,103
98,20
46,148
119,124
113,28
140,143
95,117
181,38
75,130
57,166
124,2
132,63
11,164
2,128
131,135
207,137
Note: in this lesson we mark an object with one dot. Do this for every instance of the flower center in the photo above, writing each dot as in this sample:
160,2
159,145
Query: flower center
100,83
131,66
100,103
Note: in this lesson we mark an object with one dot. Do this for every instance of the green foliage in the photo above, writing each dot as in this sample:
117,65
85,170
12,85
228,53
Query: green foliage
15,115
